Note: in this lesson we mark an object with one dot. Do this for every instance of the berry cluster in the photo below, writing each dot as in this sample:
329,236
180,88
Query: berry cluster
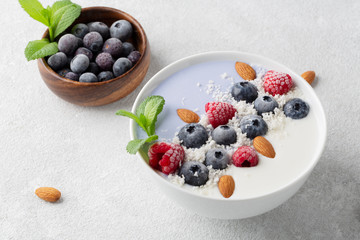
94,52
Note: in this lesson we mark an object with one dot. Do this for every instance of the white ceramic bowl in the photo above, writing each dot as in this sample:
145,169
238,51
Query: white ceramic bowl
232,208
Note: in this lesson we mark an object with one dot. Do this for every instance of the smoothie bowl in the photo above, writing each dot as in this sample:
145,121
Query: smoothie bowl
241,132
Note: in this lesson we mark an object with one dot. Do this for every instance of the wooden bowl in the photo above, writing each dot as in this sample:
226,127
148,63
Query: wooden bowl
101,93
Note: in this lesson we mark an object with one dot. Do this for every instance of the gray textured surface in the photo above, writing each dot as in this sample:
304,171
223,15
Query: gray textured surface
106,194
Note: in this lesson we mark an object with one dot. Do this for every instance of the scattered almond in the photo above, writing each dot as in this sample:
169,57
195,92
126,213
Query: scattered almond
245,71
188,116
226,186
309,76
264,147
48,194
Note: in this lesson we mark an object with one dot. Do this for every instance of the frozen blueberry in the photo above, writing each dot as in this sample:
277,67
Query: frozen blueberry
264,104
134,56
296,108
72,76
68,44
93,41
80,63
99,27
113,46
57,61
121,29
88,77
104,76
104,61
93,68
193,135
84,51
194,173
217,158
80,42
80,30
224,135
63,72
127,48
253,126
244,91
121,66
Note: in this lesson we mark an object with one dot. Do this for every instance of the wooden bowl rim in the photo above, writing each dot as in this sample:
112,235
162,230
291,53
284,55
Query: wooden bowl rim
94,8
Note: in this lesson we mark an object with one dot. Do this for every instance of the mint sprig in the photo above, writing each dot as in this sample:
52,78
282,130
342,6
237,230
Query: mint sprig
145,116
57,18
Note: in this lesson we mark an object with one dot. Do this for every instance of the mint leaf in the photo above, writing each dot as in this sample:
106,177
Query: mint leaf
141,109
152,109
64,17
134,145
35,10
133,117
40,48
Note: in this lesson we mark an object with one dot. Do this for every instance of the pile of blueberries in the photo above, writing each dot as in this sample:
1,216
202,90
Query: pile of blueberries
194,135
94,52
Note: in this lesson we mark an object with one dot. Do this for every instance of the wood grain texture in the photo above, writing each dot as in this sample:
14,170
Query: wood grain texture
101,93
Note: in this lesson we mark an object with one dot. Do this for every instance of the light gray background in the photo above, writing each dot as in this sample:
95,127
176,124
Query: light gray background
45,141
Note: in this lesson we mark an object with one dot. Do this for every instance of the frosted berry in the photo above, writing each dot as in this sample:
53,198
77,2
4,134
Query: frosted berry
99,27
166,157
277,82
264,104
113,46
121,29
195,173
80,30
134,57
121,66
296,108
218,158
105,61
193,135
127,48
84,51
245,156
244,91
88,77
79,63
253,126
68,44
224,135
93,41
93,68
219,113
104,76
57,61
72,76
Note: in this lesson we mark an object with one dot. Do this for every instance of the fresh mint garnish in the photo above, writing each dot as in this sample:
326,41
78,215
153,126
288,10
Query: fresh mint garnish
57,18
146,117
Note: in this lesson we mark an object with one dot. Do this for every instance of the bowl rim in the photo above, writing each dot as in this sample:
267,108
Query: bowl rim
307,170
144,42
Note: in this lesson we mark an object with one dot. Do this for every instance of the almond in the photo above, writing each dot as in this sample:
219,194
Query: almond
309,76
188,116
226,186
245,71
264,147
48,194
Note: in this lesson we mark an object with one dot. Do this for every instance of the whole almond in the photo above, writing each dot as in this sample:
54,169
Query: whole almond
188,116
309,76
226,186
264,147
245,71
48,194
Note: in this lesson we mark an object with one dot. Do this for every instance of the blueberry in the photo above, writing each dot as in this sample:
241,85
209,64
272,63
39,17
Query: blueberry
217,158
72,76
68,44
253,126
99,27
63,72
134,56
88,77
93,41
80,30
296,108
84,51
93,68
224,135
121,29
104,61
113,46
57,61
264,104
244,91
194,173
104,76
127,48
193,135
121,66
80,63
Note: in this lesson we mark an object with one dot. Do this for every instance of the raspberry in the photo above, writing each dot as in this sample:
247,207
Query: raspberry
277,82
166,157
219,113
245,156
